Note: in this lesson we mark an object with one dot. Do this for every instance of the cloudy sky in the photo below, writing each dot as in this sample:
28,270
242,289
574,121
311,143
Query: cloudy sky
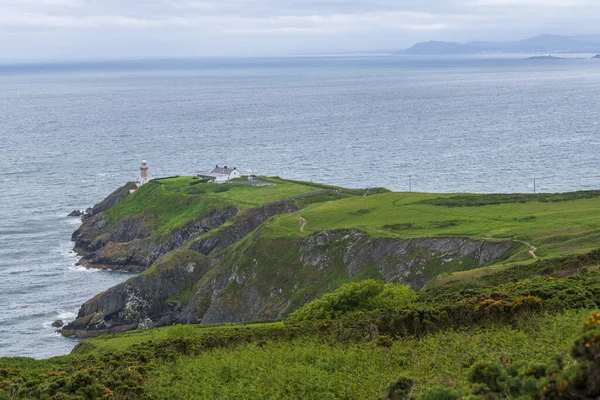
79,29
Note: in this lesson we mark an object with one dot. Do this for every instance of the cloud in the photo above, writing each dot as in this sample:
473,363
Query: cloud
343,24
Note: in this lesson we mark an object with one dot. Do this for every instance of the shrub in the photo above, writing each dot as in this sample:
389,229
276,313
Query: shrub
439,393
195,190
367,295
537,380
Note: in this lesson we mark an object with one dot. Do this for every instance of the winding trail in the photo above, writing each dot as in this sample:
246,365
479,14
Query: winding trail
532,248
302,221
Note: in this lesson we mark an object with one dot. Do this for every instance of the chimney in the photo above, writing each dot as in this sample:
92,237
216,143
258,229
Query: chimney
217,166
234,168
226,167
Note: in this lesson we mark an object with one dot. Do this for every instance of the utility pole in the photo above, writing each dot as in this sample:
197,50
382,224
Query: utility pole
533,185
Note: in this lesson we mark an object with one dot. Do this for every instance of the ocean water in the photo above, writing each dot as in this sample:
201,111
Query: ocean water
71,133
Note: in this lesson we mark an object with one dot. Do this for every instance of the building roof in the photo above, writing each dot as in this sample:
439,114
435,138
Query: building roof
222,170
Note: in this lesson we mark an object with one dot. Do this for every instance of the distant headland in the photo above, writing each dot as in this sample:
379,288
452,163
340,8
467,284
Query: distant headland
539,44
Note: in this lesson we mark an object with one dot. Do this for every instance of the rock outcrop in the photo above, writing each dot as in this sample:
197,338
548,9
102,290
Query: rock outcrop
141,302
129,245
254,283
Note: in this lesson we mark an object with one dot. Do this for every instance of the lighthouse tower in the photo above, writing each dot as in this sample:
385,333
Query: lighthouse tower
145,176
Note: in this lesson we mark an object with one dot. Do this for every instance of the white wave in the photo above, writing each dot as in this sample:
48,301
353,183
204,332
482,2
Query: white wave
65,315
74,221
79,268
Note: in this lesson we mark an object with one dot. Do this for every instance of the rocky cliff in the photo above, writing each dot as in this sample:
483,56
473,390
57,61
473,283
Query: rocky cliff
263,278
234,264
130,243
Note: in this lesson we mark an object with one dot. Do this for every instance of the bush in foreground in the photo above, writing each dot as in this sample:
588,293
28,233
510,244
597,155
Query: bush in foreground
367,295
537,380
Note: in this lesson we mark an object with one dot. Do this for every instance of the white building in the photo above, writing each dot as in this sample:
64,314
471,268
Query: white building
222,174
143,178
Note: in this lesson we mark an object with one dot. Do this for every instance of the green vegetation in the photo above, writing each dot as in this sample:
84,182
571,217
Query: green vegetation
508,330
367,295
169,203
477,200
351,344
557,225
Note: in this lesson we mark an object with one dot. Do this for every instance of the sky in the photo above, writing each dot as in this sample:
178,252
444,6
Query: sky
101,29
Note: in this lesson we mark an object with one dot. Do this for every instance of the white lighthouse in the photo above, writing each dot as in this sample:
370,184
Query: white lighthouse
143,178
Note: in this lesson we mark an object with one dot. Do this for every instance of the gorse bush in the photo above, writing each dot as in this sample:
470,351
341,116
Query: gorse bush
556,379
368,295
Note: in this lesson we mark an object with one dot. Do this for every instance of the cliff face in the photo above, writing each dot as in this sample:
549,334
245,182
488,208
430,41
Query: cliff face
266,278
141,302
271,277
227,265
128,245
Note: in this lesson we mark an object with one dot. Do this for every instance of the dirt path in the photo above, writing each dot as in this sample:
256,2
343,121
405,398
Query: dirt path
532,248
302,221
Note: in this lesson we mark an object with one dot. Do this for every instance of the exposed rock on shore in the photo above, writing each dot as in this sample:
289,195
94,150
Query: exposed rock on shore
129,245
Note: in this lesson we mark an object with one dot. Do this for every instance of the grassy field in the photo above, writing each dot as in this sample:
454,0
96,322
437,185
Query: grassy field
309,368
170,203
567,225
522,310
434,339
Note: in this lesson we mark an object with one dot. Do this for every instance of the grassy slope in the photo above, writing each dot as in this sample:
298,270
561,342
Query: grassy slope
167,204
555,227
309,368
314,366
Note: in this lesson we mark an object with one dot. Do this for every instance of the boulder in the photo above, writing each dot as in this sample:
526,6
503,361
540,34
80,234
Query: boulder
58,323
75,213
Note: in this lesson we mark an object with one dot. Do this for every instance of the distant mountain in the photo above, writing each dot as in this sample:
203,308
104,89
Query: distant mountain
546,58
434,47
537,44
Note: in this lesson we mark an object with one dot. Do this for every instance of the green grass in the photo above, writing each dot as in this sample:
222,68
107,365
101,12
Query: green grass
170,203
310,368
555,227
122,341
157,364
434,341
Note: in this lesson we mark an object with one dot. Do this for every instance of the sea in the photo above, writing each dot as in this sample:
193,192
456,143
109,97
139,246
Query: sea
72,132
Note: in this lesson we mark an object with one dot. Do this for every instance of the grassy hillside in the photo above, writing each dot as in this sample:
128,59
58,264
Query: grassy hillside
170,203
353,357
376,336
557,224
507,330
